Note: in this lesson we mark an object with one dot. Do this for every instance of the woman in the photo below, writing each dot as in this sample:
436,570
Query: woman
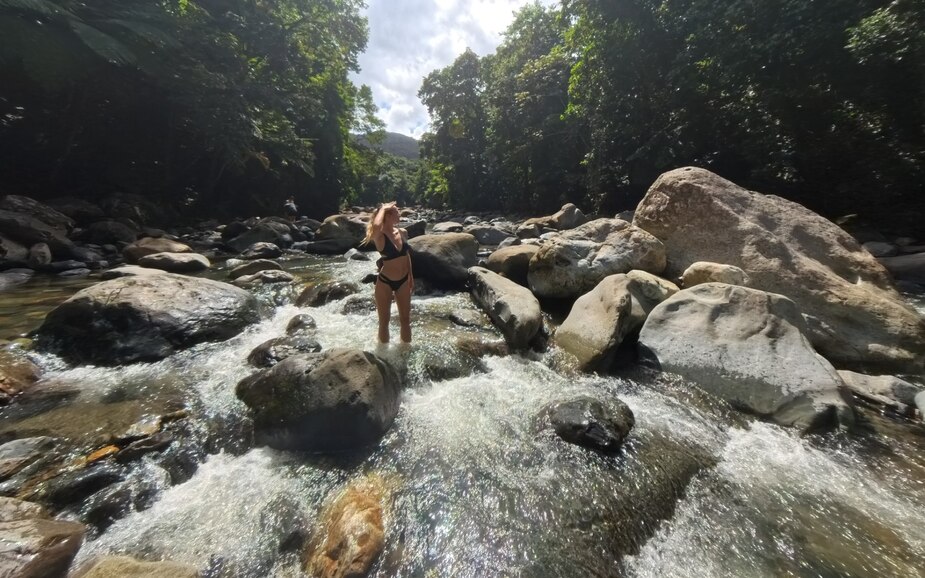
395,275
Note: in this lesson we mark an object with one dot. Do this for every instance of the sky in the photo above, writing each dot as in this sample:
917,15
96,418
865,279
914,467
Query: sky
410,38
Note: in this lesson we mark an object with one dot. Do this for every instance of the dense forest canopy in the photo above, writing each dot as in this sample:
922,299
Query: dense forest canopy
823,102
215,106
226,108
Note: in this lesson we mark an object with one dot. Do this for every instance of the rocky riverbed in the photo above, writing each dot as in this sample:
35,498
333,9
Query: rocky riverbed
723,384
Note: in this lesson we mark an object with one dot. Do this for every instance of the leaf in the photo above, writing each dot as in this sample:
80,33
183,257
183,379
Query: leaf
103,44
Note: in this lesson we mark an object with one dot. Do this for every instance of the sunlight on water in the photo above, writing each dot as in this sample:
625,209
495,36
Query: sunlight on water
483,487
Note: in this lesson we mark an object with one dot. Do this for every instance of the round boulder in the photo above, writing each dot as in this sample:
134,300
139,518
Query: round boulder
512,262
705,272
145,318
175,262
340,400
444,259
586,422
150,246
749,348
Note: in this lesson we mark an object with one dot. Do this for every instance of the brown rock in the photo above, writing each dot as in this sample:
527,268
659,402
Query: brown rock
150,246
126,567
16,374
351,535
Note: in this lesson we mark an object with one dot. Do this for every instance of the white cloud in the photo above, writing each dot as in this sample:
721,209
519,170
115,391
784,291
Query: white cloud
410,38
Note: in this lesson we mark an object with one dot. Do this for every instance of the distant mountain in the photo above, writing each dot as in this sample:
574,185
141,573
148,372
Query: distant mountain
396,144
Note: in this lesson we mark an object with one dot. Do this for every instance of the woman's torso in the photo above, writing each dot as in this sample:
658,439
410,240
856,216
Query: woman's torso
393,248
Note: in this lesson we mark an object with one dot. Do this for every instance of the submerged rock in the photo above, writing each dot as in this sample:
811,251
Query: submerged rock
351,534
748,347
855,318
587,422
342,399
145,318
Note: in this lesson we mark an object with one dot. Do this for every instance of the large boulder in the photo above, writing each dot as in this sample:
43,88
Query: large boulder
512,308
41,211
145,318
750,348
13,252
855,318
906,267
14,277
81,211
487,234
252,267
444,259
512,262
175,262
151,245
568,217
574,262
109,233
600,320
350,535
27,230
891,389
350,230
265,231
342,399
34,546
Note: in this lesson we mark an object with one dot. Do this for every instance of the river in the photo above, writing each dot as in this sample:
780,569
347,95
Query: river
477,488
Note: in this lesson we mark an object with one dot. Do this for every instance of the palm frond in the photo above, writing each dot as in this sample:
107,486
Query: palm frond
103,44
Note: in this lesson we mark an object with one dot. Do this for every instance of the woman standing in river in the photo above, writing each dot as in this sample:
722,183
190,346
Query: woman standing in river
395,275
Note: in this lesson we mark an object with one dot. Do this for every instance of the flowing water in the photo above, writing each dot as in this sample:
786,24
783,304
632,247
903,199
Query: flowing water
478,487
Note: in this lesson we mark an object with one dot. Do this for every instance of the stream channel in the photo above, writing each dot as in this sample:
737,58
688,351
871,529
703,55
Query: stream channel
477,486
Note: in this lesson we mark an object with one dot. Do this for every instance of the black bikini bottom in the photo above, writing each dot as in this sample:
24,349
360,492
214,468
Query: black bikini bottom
394,285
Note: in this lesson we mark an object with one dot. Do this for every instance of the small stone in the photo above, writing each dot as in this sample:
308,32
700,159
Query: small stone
587,422
102,453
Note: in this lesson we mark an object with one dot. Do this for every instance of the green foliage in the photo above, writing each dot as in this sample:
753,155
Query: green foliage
221,105
590,102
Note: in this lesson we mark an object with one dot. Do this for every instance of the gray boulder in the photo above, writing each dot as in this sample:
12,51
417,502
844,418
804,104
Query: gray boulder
128,271
906,267
262,250
512,262
750,348
40,211
175,262
251,267
600,320
447,227
704,272
349,229
34,546
109,232
339,400
881,249
151,245
487,235
444,259
586,422
28,231
13,252
325,292
885,389
14,278
265,231
264,278
568,217
145,318
855,318
574,262
81,211
512,308
271,352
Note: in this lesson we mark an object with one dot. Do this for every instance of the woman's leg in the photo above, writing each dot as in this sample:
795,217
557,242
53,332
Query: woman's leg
383,297
403,300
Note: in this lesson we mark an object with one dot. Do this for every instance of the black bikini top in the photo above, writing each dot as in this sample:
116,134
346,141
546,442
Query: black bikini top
389,251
